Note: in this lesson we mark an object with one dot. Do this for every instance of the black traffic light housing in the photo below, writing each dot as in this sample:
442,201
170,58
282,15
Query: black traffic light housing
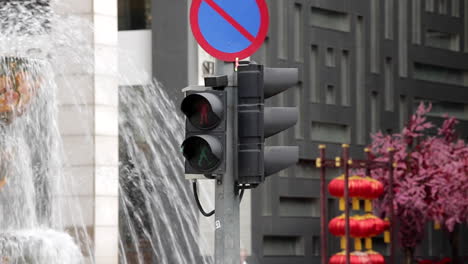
204,111
204,144
257,122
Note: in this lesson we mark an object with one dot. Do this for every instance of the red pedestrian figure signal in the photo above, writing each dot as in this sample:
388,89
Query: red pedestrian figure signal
203,109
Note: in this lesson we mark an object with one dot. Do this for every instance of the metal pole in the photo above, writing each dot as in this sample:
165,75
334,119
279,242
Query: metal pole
369,159
391,216
227,228
323,207
346,198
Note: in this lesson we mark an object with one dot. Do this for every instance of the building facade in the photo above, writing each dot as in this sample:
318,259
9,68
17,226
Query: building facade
364,66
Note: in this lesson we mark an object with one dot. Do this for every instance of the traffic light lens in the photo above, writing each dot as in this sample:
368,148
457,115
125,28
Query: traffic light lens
200,113
203,116
199,154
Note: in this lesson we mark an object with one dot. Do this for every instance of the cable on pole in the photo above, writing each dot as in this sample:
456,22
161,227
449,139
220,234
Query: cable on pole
197,200
199,205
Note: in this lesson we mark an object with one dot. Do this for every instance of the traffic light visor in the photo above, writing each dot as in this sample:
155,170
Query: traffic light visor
203,110
203,152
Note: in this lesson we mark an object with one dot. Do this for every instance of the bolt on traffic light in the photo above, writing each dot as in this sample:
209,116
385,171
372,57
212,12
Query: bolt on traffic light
203,147
257,122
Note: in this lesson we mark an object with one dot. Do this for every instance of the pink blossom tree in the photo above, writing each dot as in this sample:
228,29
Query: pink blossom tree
446,162
430,177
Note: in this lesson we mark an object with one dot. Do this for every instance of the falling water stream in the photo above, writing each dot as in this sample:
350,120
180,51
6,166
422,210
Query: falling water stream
43,54
157,207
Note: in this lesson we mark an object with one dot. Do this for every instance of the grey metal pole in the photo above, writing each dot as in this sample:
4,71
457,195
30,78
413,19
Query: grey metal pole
323,208
392,213
346,198
227,227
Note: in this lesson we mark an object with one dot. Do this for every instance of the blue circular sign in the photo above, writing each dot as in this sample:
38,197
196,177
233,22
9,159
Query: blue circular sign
229,29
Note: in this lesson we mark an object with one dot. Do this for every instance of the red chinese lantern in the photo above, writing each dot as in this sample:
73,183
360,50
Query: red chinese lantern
386,224
359,257
336,226
357,186
338,258
336,186
359,226
356,257
374,189
372,225
355,227
375,257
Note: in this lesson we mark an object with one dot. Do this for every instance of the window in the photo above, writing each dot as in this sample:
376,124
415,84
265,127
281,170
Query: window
134,14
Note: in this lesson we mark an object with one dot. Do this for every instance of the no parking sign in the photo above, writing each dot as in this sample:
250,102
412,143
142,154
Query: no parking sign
229,29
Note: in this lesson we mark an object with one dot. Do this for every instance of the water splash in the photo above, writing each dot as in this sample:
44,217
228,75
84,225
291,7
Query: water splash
38,246
157,205
33,44
158,220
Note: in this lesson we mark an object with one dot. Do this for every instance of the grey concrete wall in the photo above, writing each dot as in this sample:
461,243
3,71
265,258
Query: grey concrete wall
90,129
364,65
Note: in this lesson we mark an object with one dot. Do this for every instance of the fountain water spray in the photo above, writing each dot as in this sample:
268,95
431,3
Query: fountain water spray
158,220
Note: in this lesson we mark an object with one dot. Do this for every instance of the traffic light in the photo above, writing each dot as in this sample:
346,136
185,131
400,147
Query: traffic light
204,145
257,122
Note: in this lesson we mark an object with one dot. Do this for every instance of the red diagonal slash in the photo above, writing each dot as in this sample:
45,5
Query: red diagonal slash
231,20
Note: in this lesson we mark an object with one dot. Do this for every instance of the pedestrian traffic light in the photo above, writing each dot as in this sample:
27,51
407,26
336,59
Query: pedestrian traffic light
257,122
203,147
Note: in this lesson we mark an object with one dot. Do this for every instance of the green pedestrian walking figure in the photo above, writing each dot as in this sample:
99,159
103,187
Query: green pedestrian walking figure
203,156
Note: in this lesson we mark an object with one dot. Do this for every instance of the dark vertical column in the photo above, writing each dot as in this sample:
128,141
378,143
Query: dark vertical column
416,21
361,126
375,36
403,37
170,45
346,198
465,24
392,218
323,207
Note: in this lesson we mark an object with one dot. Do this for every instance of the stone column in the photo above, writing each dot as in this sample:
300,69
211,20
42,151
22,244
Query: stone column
90,129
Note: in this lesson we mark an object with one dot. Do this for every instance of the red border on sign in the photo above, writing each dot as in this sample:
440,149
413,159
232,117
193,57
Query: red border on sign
258,41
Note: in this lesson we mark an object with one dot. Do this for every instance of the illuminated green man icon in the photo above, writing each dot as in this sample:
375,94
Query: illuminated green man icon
203,156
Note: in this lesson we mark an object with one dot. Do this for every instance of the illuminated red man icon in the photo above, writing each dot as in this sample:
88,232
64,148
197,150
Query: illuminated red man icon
203,108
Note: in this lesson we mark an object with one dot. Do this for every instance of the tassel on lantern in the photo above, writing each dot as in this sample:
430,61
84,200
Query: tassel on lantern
342,204
343,243
387,237
357,244
355,202
368,206
368,242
